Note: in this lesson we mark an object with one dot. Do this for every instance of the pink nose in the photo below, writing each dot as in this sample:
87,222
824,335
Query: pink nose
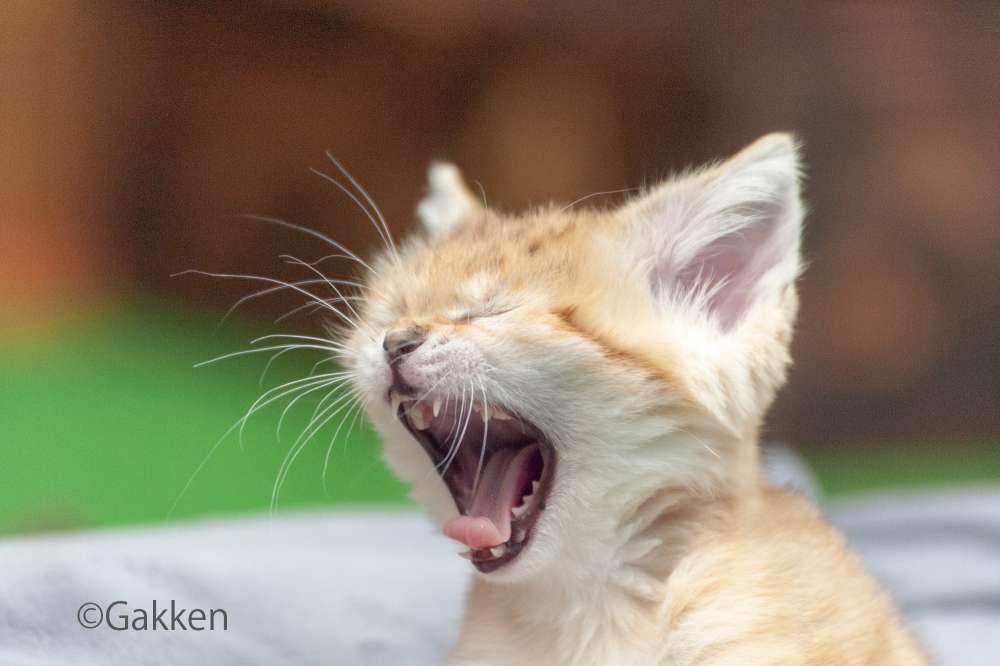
403,341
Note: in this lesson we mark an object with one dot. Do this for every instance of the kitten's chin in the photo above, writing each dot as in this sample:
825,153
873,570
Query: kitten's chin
498,468
536,561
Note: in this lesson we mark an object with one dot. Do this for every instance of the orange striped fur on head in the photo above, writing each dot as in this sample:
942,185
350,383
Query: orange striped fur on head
644,343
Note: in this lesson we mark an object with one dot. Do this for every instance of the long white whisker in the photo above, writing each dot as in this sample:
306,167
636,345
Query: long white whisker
304,380
458,440
336,433
335,384
300,445
258,350
269,396
197,470
260,278
452,436
459,412
331,394
362,404
486,428
270,362
368,198
329,359
357,285
387,240
327,257
303,437
208,456
299,385
482,192
332,346
331,285
314,306
289,336
597,194
271,290
315,234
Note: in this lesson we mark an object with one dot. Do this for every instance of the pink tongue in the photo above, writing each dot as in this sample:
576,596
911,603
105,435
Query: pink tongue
504,479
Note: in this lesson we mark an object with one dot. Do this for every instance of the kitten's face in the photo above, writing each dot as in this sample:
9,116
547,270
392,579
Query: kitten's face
536,379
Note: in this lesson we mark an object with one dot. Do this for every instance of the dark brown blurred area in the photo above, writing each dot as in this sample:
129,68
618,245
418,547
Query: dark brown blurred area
133,132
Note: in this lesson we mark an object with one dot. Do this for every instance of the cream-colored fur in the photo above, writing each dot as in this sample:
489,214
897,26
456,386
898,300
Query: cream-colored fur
646,343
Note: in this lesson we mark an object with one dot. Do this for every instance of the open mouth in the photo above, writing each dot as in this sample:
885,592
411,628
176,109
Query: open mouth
497,467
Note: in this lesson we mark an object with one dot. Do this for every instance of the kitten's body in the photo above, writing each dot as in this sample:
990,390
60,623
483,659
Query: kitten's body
628,357
753,580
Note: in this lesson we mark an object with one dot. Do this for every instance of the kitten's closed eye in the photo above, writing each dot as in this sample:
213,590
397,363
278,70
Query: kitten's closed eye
485,312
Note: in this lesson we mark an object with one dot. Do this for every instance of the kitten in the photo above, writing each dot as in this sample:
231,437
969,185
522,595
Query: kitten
576,396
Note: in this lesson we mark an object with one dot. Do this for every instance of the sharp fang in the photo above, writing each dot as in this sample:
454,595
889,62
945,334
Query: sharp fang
519,534
518,511
498,551
418,416
396,401
534,487
467,554
437,407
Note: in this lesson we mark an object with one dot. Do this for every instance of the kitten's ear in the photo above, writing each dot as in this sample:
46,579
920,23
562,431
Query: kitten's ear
449,200
726,238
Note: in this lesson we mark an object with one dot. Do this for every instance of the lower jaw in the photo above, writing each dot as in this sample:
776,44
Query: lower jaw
485,562
483,559
491,564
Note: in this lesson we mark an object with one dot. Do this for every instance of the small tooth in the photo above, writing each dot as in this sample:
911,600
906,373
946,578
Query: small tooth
518,511
437,407
519,534
534,487
498,551
478,407
467,554
500,413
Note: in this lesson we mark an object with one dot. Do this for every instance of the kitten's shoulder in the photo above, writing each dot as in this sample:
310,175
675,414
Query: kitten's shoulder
775,584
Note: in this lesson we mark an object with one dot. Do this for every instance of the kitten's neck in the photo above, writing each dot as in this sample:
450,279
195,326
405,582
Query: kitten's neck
605,587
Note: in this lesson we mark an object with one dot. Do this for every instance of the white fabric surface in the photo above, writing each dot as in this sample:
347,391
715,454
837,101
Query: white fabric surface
352,588
370,588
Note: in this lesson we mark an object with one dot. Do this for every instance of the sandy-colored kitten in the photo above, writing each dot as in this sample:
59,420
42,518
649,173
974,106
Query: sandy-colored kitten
576,396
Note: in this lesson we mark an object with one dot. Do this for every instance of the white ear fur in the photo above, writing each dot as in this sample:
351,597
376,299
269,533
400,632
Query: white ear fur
448,201
725,238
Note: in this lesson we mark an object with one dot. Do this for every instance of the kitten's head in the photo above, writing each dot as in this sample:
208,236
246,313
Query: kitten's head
537,377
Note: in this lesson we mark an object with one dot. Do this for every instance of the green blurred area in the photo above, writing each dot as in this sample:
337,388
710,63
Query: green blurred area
104,420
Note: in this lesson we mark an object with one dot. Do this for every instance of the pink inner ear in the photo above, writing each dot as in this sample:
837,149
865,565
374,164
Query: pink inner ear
730,266
720,267
725,239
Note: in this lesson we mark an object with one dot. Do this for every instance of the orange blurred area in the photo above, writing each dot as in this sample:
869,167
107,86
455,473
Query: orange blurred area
134,134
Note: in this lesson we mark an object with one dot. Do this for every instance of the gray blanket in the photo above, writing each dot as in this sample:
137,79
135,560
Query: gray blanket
367,587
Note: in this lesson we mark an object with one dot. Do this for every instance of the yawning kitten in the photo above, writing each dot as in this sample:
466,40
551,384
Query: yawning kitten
576,396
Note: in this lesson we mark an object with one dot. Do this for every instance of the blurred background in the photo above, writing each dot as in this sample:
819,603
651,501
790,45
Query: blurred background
133,134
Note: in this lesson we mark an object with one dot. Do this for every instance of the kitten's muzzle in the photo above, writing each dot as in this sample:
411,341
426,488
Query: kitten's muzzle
402,342
398,344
